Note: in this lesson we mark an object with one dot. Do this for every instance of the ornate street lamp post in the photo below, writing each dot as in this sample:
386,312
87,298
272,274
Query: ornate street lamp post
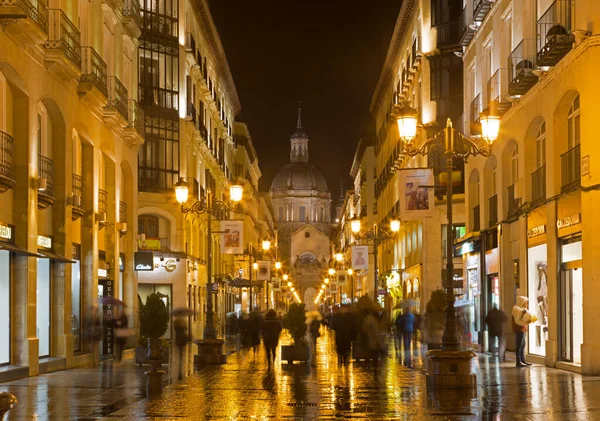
452,144
377,235
217,209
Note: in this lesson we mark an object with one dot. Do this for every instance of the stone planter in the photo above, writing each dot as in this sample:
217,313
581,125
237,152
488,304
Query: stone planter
291,353
141,355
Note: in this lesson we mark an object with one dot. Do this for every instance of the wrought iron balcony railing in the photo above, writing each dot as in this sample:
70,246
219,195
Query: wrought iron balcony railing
513,202
7,169
571,169
191,112
493,210
77,209
521,65
63,35
538,186
102,200
497,91
136,116
93,69
554,29
131,9
122,211
37,11
46,172
476,218
480,9
156,179
117,96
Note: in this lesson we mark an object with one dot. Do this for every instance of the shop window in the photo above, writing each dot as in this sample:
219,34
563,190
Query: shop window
5,308
573,123
537,272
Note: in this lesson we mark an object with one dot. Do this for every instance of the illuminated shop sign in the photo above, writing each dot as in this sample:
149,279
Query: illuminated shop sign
569,221
102,273
536,231
143,261
44,242
7,232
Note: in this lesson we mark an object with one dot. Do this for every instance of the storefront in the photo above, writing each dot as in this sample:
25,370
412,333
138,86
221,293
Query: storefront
537,280
468,290
43,298
76,310
7,237
570,288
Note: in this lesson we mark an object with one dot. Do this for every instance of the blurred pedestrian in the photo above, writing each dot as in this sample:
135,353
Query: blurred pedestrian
344,326
181,340
121,333
398,339
271,329
495,320
314,328
371,330
254,325
521,318
408,327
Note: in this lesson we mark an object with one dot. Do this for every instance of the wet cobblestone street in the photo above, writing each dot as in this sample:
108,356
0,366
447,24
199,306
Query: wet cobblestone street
245,388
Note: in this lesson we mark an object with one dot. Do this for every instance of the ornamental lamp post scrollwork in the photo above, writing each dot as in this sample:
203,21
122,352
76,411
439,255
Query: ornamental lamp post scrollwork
451,144
212,208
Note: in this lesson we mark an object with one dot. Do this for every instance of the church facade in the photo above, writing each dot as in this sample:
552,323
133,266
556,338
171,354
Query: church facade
302,207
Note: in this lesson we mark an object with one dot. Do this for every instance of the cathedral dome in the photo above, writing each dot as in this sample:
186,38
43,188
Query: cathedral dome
299,176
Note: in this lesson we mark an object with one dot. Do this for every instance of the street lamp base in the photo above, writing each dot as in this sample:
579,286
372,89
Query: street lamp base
210,351
451,370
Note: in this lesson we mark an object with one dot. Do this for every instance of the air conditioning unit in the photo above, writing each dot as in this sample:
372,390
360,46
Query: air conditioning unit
42,184
76,200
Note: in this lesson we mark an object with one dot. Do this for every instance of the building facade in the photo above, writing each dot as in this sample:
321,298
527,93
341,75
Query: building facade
422,69
70,129
530,203
302,208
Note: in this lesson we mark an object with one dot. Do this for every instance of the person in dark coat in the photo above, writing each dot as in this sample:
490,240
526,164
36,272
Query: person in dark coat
408,327
120,326
344,326
495,320
398,337
254,325
271,329
181,339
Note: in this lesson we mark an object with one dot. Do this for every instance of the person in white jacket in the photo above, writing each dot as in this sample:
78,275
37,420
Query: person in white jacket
521,318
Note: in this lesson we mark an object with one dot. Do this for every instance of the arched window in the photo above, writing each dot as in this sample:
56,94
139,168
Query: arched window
494,173
515,164
148,225
540,146
573,123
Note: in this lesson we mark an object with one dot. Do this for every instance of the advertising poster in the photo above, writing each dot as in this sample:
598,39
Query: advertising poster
360,257
232,237
263,273
276,284
341,277
416,193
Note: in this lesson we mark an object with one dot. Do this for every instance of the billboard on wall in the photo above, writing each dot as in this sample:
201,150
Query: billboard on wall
416,193
341,277
263,273
360,257
232,237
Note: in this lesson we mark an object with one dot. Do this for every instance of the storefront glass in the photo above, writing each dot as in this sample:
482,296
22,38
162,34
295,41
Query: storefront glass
43,306
538,298
571,295
4,307
76,305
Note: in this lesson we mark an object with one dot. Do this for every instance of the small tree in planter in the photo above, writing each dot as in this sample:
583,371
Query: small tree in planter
295,323
434,318
154,322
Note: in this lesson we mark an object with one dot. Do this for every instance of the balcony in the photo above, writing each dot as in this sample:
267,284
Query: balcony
493,210
476,218
190,44
538,186
133,134
203,130
63,47
102,201
497,91
160,24
156,180
115,111
448,34
132,20
122,212
77,210
45,182
520,65
480,9
92,87
554,33
153,244
26,21
191,113
570,169
7,169
475,112
467,33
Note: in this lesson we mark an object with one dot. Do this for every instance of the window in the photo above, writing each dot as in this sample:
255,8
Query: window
494,191
459,230
280,216
322,216
306,234
515,164
148,225
302,213
540,146
573,123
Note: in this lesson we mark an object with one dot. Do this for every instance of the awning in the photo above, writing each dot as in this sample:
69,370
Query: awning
47,254
16,249
467,243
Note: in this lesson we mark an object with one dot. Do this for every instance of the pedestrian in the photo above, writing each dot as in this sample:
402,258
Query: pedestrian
371,330
495,320
344,325
315,326
408,327
121,334
254,325
398,325
521,318
181,339
271,329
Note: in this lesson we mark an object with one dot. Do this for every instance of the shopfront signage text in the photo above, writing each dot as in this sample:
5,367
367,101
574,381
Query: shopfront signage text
143,261
6,232
170,265
102,273
44,242
536,231
569,221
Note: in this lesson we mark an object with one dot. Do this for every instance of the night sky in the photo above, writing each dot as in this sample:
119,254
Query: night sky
328,54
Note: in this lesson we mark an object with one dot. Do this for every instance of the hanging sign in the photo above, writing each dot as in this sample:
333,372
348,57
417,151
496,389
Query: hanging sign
232,237
108,333
44,242
360,257
263,273
341,277
7,232
416,198
276,284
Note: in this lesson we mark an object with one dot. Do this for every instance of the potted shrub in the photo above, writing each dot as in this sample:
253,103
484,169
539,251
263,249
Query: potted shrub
435,318
295,323
154,322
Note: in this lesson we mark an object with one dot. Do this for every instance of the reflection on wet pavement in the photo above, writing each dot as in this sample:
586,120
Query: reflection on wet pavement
245,388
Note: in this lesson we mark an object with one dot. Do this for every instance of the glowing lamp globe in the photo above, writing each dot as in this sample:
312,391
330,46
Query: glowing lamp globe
395,225
339,257
331,271
277,265
236,192
490,127
266,245
355,225
181,191
407,119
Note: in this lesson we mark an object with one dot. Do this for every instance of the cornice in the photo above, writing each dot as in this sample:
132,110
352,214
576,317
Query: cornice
211,35
385,77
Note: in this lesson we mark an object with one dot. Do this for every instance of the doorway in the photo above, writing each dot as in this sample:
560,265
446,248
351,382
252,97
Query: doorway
571,320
